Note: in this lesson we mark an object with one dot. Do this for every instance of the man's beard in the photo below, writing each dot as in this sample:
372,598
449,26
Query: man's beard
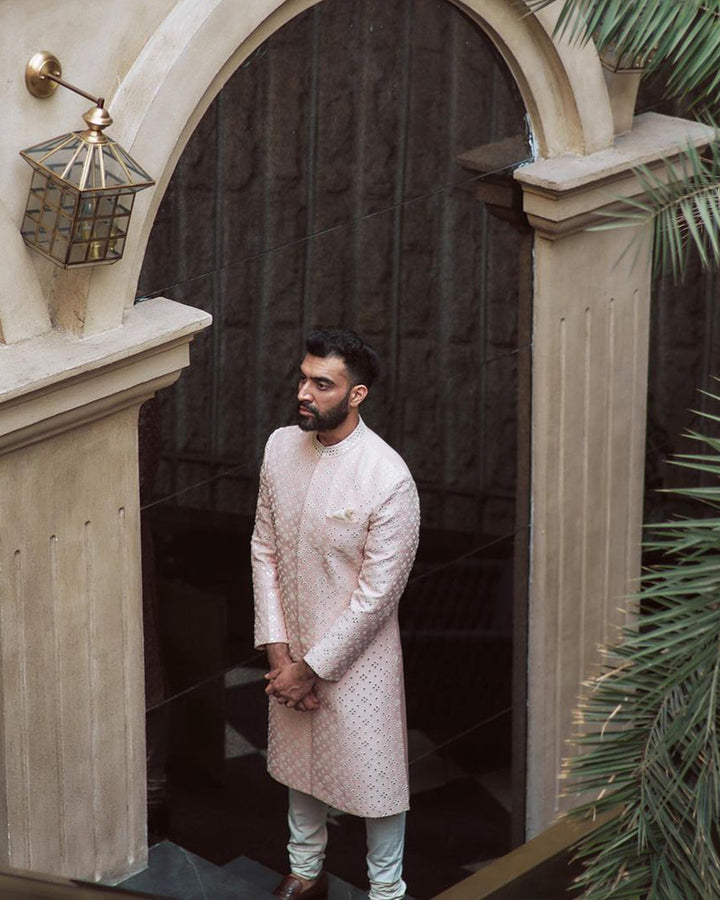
326,421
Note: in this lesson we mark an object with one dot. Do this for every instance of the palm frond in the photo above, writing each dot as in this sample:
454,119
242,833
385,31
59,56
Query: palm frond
680,205
680,38
650,726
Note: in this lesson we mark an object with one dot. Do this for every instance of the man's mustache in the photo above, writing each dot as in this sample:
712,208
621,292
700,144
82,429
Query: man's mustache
303,404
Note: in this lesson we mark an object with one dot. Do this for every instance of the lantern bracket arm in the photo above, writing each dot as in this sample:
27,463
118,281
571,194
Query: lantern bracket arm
43,74
98,101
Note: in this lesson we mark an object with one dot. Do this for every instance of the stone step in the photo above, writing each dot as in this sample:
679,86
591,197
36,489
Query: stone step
175,872
266,879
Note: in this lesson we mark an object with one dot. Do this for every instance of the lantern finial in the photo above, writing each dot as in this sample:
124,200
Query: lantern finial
97,118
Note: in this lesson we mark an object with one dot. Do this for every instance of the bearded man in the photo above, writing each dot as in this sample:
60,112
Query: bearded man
335,537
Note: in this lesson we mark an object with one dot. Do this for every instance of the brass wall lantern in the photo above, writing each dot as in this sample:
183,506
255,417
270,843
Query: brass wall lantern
83,183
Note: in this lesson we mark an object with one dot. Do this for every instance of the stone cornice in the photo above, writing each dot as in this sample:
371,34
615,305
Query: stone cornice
563,195
55,382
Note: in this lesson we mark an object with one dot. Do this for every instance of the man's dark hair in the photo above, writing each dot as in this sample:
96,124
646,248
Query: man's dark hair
361,361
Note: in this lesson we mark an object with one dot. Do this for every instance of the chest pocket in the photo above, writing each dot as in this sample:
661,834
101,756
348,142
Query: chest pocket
344,534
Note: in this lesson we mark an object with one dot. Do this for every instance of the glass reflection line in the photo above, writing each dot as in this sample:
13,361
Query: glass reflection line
332,228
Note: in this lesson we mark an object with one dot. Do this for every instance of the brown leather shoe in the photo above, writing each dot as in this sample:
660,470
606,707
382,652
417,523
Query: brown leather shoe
291,888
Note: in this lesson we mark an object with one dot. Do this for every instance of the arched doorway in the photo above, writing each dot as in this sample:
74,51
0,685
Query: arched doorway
324,186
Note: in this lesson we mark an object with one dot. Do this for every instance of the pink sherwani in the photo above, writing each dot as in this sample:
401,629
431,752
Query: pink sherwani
335,537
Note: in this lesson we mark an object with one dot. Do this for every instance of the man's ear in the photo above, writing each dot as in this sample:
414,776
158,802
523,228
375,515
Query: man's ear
358,394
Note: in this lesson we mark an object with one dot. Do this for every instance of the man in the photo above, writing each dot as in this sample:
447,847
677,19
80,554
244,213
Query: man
335,538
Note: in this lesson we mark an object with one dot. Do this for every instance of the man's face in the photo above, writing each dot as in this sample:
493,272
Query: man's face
323,393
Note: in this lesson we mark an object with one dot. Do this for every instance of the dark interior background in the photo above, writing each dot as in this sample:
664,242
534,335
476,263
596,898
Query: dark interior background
346,125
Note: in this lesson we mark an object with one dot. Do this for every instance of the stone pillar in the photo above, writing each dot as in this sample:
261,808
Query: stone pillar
72,745
589,372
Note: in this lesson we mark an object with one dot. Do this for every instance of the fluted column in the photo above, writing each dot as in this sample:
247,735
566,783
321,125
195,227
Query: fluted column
72,745
590,356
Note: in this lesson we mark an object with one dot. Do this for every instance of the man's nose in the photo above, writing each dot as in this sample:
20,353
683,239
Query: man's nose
304,390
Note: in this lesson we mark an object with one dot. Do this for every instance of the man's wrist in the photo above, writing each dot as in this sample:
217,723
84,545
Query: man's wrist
307,673
277,653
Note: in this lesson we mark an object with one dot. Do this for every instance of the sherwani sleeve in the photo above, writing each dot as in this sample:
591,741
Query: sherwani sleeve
269,619
388,557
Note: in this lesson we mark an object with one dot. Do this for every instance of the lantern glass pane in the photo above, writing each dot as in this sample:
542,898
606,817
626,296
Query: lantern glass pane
53,195
59,161
121,169
29,227
115,175
49,218
83,230
101,228
35,196
116,245
34,206
43,238
106,205
59,248
38,183
64,226
94,174
78,253
139,174
88,207
124,204
69,202
120,225
40,150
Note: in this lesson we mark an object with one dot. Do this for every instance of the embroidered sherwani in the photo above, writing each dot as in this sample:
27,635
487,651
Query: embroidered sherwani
335,537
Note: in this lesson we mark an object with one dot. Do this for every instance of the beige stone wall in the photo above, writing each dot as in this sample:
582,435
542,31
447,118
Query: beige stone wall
588,454
71,652
72,757
590,356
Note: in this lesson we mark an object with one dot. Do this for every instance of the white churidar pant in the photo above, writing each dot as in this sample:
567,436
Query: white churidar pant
307,819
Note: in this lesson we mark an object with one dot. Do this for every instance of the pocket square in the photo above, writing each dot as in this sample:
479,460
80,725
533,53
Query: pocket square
343,515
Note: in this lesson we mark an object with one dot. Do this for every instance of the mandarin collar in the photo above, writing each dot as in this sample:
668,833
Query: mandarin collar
343,446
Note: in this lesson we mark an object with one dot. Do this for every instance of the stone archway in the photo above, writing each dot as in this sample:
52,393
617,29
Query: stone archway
563,88
198,46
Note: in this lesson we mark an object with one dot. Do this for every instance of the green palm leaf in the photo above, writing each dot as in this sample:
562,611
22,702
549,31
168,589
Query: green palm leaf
649,744
680,206
679,40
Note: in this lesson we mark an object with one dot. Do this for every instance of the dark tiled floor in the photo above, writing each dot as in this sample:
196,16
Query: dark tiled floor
174,872
223,805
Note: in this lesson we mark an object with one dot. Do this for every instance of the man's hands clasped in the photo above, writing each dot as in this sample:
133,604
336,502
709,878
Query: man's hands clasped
292,684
